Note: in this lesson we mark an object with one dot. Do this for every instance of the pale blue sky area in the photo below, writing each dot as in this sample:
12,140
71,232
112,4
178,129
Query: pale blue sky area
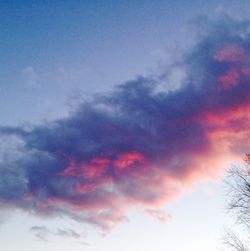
60,48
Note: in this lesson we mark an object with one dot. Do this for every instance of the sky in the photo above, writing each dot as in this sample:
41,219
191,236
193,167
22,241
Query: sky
118,121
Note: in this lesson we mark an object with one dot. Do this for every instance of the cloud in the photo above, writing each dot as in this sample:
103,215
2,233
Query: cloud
68,233
30,76
159,215
43,233
140,145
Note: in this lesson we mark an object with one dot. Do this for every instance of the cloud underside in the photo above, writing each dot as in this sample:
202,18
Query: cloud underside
140,145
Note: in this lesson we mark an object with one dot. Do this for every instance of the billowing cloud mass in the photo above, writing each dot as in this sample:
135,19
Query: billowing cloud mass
140,145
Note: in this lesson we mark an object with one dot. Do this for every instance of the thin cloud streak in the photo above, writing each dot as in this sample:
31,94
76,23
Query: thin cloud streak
43,233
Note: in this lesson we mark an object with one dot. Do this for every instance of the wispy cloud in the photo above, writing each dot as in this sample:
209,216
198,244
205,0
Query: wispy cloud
43,233
159,215
30,76
139,145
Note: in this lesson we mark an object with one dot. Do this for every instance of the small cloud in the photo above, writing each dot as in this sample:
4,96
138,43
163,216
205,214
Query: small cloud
159,215
41,232
68,233
30,76
220,9
159,53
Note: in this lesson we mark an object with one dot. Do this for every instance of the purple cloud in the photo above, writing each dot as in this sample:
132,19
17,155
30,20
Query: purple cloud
137,146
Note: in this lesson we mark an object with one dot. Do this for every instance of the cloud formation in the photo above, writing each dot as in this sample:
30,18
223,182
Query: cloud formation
42,233
139,145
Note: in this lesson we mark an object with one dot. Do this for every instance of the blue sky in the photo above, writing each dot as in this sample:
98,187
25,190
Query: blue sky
57,55
105,44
